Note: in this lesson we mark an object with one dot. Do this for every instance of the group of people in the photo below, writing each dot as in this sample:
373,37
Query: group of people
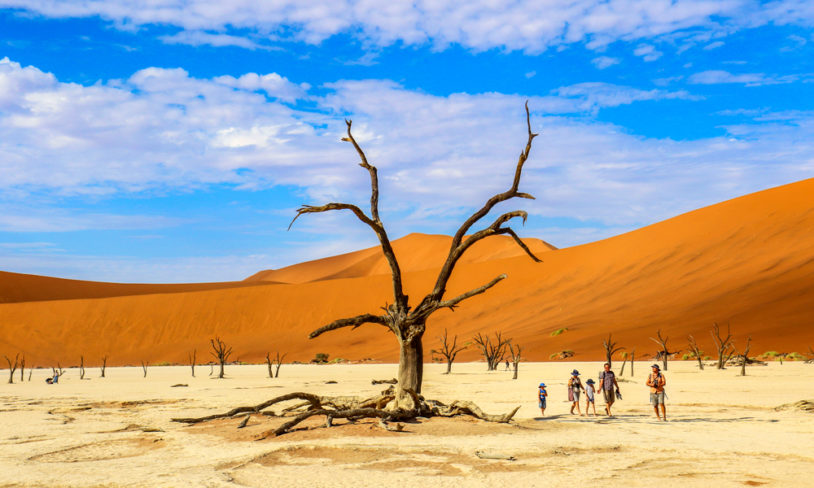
610,391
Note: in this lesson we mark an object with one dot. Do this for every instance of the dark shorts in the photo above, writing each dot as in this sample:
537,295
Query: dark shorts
542,403
610,396
657,398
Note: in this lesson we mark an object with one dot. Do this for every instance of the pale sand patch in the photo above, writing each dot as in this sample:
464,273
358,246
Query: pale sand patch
723,429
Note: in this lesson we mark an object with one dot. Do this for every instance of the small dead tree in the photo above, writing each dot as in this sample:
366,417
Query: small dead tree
745,355
492,350
81,367
12,367
144,367
632,360
22,369
278,361
30,372
696,351
449,351
268,365
104,366
221,352
514,351
624,362
664,353
610,349
722,343
192,359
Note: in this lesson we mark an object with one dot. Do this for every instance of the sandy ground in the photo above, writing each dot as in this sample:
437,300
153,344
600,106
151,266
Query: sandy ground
116,431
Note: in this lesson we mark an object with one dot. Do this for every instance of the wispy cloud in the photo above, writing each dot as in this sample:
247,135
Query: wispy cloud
715,77
603,62
202,38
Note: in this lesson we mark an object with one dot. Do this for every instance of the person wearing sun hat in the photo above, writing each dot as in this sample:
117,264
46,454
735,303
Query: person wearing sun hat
589,396
542,394
656,382
574,387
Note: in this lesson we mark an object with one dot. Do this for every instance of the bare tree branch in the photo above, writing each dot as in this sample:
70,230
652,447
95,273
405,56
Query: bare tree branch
365,318
451,303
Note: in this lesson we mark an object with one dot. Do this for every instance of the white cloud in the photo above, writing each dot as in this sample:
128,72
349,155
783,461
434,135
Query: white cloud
603,62
437,155
201,38
647,52
715,77
528,25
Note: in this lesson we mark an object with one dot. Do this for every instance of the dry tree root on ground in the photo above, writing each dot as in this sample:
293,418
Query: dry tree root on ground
353,408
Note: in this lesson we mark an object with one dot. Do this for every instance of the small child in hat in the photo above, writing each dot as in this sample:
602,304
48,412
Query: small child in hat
589,395
542,394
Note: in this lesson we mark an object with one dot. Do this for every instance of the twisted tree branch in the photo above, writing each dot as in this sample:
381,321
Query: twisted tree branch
477,291
365,318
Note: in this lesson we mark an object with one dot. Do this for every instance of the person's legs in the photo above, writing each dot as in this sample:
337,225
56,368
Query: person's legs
663,412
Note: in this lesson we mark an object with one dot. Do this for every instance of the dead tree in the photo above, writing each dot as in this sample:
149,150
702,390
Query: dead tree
493,350
144,367
697,352
514,351
406,322
624,362
12,367
632,359
664,353
192,358
278,361
745,355
221,352
268,365
449,351
22,369
81,367
723,344
30,372
104,366
610,349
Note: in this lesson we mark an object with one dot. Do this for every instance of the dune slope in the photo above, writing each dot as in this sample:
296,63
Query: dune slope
748,262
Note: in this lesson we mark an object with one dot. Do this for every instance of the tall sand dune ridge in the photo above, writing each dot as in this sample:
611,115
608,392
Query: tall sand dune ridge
747,262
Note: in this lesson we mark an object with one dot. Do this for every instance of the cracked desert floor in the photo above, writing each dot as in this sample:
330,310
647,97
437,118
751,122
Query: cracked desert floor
117,431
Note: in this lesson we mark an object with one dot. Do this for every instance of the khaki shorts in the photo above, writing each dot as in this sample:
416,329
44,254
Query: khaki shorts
610,396
657,398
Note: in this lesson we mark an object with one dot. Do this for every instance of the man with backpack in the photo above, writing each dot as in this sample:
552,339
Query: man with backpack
656,382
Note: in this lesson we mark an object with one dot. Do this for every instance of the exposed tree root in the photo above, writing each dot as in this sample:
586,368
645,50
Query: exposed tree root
354,408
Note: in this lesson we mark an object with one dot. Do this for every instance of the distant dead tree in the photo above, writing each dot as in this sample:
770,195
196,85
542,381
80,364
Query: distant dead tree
722,343
22,369
696,351
12,367
745,356
278,361
192,358
492,350
268,365
810,355
144,367
81,367
104,366
514,352
408,322
663,353
632,361
610,349
624,361
211,367
30,372
449,351
221,352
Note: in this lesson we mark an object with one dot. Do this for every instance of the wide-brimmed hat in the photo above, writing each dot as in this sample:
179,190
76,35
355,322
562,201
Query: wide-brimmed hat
590,381
656,366
575,373
542,384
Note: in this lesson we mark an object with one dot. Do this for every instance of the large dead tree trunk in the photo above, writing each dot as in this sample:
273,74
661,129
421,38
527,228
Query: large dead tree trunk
449,351
408,323
610,349
697,352
12,367
722,343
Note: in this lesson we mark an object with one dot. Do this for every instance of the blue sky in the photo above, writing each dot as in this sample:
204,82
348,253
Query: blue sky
172,142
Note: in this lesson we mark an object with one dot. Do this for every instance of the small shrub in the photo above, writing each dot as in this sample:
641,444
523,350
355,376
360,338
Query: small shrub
686,357
320,358
707,358
559,331
162,363
795,356
771,354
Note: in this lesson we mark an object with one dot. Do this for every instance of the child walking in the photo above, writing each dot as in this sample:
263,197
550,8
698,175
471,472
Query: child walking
542,394
589,396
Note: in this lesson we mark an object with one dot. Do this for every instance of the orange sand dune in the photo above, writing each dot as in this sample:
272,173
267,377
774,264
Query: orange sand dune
17,287
747,261
415,252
